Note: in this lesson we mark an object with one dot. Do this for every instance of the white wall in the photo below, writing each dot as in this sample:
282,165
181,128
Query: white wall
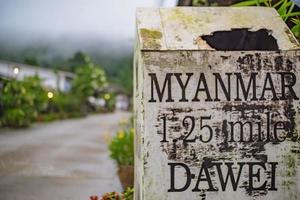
49,78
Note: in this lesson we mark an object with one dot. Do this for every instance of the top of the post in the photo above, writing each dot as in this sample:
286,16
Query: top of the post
213,28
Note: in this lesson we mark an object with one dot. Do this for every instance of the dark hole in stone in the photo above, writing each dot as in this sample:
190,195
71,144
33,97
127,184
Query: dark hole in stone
242,40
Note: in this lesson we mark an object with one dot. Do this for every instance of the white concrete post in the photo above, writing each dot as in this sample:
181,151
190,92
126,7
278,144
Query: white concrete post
215,124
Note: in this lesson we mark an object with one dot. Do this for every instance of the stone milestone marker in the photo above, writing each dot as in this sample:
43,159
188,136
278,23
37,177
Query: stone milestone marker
216,104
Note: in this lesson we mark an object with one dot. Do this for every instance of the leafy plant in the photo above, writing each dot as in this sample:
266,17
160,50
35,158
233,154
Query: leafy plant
61,106
121,147
126,195
22,101
111,196
285,9
65,103
33,85
296,27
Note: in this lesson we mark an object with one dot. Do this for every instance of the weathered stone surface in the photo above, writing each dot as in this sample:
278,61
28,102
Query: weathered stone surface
215,124
181,27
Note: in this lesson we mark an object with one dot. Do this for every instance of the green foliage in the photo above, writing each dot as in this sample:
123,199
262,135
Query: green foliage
31,61
26,101
62,106
121,147
34,88
118,67
16,117
252,3
199,2
79,59
22,100
126,195
284,8
296,27
64,103
123,74
48,117
88,79
110,101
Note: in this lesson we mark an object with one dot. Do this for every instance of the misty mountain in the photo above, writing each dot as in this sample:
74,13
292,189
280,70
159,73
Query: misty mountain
115,57
49,52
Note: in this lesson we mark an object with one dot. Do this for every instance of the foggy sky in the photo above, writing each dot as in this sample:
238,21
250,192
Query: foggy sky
108,19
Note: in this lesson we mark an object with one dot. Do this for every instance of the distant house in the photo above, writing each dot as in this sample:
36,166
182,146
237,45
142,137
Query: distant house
54,79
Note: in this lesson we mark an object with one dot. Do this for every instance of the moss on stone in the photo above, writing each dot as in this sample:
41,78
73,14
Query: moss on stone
151,38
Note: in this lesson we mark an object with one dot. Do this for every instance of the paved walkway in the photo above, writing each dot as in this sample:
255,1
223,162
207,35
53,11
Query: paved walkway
64,160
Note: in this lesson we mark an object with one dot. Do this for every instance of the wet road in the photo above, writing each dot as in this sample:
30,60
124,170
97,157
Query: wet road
64,160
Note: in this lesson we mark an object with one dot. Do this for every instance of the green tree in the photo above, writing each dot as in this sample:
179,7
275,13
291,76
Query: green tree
79,59
31,61
124,75
88,79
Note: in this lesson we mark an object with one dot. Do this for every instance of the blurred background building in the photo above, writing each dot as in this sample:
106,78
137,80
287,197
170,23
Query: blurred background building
53,79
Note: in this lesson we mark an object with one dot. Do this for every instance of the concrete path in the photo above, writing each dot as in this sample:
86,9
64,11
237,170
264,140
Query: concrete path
64,160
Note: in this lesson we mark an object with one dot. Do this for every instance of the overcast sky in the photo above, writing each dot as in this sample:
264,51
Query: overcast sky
109,19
